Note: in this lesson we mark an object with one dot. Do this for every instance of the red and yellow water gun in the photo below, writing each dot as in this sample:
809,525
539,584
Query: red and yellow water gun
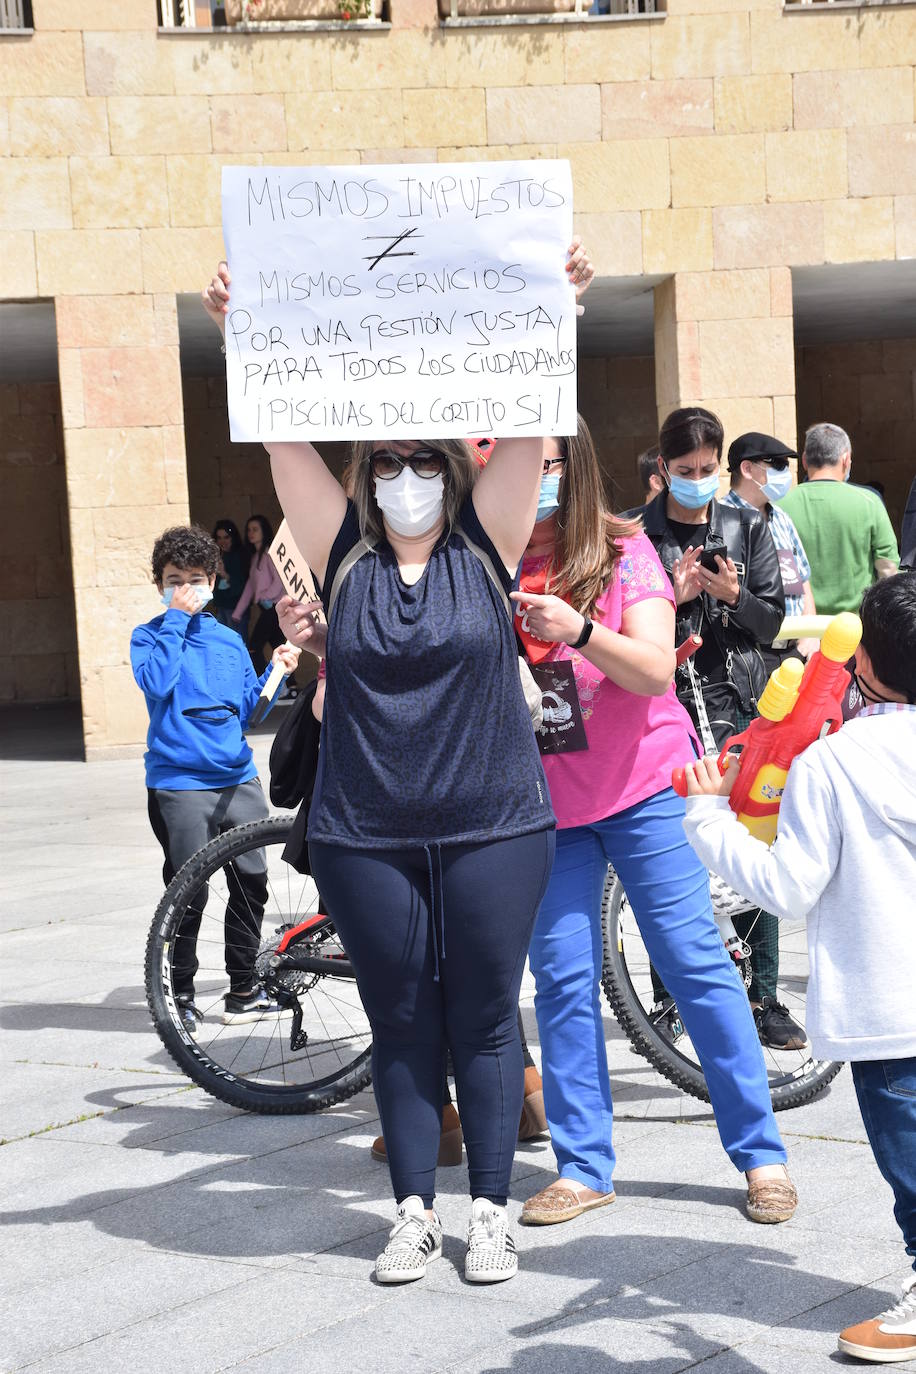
798,706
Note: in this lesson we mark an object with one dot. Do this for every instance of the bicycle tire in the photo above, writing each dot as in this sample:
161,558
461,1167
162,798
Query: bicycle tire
802,1086
193,1058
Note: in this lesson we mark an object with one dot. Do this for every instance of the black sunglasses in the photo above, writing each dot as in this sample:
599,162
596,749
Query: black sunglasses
425,462
549,462
778,464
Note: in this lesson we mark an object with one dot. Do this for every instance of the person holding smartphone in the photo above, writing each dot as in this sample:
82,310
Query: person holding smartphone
725,572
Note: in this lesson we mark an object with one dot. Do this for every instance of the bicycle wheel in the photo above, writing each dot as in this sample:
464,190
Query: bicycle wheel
795,1076
313,1049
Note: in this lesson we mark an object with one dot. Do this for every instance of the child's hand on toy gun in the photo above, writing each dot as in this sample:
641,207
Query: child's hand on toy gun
705,780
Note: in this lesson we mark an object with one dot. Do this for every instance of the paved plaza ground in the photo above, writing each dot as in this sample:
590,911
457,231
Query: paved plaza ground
150,1228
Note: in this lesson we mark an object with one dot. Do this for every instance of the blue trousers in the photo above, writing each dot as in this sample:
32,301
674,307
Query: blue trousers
437,936
668,890
886,1089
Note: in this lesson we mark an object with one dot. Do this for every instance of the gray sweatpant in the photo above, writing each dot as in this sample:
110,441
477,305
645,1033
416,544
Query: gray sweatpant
183,822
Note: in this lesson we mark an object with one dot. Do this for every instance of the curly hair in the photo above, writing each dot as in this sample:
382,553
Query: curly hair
187,546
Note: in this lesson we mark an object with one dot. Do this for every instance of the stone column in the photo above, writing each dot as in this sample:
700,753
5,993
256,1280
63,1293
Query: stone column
126,482
724,340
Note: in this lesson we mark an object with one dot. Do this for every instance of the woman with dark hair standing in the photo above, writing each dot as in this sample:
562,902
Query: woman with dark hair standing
596,606
262,587
733,600
231,575
430,831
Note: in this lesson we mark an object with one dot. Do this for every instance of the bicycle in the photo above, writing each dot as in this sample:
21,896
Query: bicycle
314,1050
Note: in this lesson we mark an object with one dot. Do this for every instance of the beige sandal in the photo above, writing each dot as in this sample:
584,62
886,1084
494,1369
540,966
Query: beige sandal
771,1200
561,1202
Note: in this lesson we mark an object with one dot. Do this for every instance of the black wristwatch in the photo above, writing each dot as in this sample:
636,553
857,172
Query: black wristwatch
586,634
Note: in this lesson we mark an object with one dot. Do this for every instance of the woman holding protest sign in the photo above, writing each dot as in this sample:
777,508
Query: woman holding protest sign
597,610
431,833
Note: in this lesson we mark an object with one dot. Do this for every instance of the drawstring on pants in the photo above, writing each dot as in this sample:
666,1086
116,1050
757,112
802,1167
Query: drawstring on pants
437,954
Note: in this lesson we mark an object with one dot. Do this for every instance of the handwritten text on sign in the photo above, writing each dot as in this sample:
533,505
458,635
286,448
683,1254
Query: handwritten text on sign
399,301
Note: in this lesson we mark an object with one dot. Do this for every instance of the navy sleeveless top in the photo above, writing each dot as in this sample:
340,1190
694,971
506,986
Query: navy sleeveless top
426,737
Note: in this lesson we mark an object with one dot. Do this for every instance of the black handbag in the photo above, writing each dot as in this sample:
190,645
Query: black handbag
294,753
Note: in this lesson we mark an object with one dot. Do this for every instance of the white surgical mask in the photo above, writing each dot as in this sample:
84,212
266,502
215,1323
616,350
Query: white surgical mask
204,594
410,504
777,485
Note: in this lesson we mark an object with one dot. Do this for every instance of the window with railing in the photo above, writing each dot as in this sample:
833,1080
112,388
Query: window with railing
15,14
265,14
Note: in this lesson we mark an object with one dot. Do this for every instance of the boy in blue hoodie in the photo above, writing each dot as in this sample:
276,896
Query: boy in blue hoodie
200,690
845,858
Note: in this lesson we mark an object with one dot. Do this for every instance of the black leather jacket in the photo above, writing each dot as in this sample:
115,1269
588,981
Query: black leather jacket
742,633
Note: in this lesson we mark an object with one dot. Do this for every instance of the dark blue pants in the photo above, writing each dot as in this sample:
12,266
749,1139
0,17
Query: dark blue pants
886,1089
438,939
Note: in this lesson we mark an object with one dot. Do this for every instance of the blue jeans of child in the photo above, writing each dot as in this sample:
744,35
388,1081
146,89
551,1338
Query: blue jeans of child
886,1089
668,890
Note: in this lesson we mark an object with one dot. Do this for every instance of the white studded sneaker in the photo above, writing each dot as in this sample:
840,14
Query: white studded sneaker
415,1240
887,1338
491,1256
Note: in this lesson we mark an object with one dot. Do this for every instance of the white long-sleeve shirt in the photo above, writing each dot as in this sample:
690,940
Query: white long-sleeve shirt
845,858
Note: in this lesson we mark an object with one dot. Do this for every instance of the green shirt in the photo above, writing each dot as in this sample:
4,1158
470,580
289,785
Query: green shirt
847,536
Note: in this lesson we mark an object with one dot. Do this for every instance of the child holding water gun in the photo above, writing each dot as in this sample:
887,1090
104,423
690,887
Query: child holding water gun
845,856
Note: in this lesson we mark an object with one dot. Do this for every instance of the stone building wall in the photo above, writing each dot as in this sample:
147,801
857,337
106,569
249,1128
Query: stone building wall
38,659
869,389
717,145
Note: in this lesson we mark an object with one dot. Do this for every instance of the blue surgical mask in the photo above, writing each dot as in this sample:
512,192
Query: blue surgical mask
777,485
204,594
693,495
549,498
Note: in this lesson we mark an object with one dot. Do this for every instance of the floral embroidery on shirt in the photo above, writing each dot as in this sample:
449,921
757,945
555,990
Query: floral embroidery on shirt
639,574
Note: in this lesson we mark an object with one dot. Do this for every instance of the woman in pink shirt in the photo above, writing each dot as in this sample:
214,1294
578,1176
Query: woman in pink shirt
597,610
264,587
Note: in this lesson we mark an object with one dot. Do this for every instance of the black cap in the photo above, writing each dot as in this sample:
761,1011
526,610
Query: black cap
756,446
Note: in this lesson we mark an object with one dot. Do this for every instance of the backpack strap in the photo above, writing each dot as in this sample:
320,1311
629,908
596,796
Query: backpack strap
493,575
349,560
365,546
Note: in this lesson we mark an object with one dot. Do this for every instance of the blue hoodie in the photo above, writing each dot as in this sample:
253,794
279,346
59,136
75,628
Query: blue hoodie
200,689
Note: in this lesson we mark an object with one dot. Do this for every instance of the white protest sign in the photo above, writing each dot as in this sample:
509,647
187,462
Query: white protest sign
293,571
399,301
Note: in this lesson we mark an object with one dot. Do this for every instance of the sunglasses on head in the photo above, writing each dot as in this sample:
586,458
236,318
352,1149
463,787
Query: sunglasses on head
425,462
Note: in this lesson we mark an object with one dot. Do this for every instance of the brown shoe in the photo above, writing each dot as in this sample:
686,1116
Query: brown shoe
771,1200
450,1141
562,1201
888,1338
534,1118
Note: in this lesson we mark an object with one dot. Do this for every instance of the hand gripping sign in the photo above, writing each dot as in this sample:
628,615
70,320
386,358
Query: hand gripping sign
296,576
399,301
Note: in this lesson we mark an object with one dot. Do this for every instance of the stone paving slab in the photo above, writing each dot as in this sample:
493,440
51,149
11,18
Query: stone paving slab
166,1230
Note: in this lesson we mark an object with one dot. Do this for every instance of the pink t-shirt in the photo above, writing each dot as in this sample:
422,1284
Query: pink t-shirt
633,741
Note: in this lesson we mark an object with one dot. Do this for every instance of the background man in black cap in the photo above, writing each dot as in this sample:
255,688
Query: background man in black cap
761,476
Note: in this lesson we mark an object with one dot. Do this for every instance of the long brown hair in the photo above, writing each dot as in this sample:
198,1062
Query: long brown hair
459,479
587,547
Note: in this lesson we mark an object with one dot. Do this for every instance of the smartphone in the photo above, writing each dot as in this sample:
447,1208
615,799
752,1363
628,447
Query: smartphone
710,554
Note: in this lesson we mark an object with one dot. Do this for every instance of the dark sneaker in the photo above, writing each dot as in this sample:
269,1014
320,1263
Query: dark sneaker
189,1016
776,1028
887,1338
667,1019
249,1006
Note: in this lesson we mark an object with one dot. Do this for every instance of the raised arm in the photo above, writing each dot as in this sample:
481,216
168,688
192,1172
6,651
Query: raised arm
506,493
311,497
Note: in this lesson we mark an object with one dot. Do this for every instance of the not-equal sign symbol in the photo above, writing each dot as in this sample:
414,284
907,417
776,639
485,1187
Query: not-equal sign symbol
392,245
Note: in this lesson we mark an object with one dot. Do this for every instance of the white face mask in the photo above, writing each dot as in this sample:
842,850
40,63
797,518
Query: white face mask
777,485
410,504
203,593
